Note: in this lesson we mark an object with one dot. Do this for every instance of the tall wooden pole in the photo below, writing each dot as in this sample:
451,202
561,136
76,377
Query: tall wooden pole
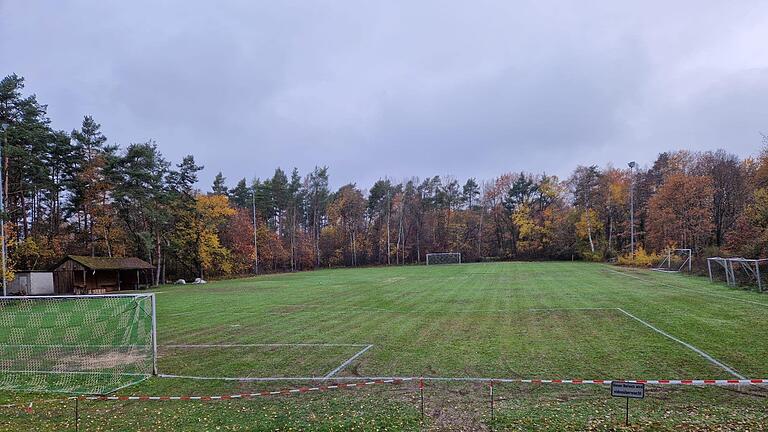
632,207
255,237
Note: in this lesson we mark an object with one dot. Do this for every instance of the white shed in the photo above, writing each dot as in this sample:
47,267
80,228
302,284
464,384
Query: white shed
32,283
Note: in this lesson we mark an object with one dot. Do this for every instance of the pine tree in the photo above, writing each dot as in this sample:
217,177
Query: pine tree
219,185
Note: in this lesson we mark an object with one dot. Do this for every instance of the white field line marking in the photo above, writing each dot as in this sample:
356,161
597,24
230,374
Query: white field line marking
29,405
346,363
708,357
344,310
256,345
663,333
132,383
686,289
569,309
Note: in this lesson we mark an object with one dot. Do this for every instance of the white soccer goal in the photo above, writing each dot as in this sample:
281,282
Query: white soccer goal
88,344
676,260
443,258
741,271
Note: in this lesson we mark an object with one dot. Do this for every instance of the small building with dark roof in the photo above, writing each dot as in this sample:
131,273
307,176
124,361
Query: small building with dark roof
78,274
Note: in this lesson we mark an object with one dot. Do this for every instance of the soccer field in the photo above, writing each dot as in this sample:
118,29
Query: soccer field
554,320
505,320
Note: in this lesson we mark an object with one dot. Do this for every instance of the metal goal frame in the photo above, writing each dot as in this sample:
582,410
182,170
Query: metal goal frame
439,256
150,316
735,266
666,264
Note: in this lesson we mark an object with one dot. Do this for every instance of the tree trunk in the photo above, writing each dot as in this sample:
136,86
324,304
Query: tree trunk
158,257
106,241
418,242
610,232
399,236
24,226
480,234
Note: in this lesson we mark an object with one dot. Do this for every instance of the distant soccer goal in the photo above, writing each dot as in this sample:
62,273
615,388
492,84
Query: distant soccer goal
443,258
93,344
676,260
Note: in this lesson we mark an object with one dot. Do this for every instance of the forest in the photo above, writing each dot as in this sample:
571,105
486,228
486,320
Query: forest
75,192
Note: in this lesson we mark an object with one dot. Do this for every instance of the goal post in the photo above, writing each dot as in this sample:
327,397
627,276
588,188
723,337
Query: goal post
676,260
740,271
86,344
444,258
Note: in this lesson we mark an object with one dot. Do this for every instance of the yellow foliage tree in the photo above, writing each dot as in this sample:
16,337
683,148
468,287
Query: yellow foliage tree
212,212
531,234
587,229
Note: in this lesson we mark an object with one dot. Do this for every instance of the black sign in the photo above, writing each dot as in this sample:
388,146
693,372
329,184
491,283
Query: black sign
627,390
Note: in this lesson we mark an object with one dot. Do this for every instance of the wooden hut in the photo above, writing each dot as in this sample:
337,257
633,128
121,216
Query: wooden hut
77,274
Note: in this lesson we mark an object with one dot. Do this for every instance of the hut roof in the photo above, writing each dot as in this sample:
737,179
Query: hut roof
107,263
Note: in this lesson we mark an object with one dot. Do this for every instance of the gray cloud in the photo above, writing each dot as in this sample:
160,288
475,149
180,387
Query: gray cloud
395,89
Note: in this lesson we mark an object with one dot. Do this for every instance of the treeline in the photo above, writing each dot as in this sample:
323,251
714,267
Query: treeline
78,193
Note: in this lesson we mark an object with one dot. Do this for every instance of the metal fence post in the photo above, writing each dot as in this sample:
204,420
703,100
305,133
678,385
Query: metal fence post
491,393
421,396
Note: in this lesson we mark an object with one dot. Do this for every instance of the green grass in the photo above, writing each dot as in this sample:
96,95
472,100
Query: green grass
500,320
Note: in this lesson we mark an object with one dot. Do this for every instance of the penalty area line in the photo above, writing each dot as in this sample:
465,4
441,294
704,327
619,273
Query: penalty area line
698,351
256,345
706,356
570,309
347,363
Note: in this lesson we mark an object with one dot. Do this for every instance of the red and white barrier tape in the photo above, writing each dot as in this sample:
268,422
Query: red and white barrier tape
300,390
694,382
246,395
719,382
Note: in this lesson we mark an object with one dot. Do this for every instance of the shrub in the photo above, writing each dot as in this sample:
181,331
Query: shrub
596,256
641,258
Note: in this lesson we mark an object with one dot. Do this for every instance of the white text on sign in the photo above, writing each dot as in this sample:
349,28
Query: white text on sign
628,390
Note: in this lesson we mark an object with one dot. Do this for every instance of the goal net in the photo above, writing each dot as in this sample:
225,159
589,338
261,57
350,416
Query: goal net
76,344
740,271
443,258
676,260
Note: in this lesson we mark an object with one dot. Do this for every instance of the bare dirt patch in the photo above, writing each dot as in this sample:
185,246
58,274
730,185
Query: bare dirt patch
101,361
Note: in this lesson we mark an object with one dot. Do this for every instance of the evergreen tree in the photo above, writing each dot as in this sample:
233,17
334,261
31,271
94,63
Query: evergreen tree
240,195
316,186
219,184
143,199
470,192
89,187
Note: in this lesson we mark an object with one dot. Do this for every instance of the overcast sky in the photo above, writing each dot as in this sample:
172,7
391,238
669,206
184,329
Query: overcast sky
397,89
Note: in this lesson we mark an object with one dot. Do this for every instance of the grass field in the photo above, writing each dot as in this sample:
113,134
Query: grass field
554,320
